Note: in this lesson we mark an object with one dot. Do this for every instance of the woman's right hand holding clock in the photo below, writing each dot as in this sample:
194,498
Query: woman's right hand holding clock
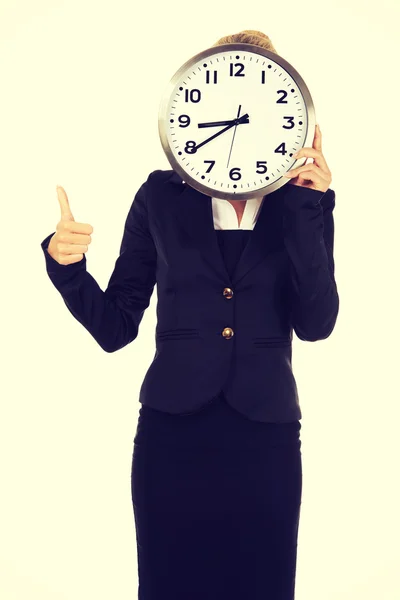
71,239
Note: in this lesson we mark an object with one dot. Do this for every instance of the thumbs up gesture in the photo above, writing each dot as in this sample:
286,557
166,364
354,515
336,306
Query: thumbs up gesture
71,239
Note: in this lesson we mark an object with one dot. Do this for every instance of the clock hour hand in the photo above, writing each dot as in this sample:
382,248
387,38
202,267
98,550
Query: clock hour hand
220,123
242,119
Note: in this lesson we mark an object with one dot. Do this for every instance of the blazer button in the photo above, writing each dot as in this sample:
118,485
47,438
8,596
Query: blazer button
228,293
227,333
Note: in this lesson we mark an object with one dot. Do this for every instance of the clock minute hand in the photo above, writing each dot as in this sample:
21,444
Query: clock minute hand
219,123
242,119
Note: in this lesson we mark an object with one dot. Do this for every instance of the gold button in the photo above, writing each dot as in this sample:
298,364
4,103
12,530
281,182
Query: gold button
227,333
228,293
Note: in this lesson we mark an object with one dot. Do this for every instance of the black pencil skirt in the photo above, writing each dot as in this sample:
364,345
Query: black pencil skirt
216,501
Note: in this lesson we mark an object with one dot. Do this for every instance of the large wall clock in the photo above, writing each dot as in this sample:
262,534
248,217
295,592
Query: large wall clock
231,118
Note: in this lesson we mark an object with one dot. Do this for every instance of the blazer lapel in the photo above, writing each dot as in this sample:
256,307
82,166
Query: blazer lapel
194,212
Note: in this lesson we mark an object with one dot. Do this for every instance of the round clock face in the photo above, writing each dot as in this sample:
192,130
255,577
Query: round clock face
231,118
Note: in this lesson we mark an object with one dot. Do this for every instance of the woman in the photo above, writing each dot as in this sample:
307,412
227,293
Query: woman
216,470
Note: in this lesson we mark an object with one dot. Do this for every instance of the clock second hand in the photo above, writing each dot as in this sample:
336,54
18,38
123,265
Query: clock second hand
233,139
243,119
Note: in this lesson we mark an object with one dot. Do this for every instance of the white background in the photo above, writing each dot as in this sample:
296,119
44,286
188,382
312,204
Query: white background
81,83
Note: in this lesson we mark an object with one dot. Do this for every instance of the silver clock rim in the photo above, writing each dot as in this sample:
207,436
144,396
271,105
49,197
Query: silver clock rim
163,118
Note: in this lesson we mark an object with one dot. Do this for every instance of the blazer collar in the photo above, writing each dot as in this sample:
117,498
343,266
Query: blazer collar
194,212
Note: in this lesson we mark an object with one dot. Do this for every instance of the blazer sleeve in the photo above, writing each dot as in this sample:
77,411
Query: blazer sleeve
308,228
112,316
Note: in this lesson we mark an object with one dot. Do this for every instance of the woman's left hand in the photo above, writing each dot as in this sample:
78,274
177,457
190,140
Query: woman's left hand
316,175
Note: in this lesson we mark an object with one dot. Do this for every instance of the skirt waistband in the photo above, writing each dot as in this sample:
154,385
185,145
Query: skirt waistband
216,424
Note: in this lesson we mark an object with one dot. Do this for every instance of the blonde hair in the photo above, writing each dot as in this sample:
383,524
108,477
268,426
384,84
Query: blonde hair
248,36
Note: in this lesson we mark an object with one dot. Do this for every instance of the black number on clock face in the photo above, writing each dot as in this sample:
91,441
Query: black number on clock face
184,120
291,121
239,72
208,76
283,151
190,147
281,100
261,164
235,174
212,163
192,95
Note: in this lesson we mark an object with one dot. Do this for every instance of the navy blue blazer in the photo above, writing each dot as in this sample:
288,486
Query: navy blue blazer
284,281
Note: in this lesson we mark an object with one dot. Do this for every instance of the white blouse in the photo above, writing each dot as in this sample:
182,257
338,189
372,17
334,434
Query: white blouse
225,216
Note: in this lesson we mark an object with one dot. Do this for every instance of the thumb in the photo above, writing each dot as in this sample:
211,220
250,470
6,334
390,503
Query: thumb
66,214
